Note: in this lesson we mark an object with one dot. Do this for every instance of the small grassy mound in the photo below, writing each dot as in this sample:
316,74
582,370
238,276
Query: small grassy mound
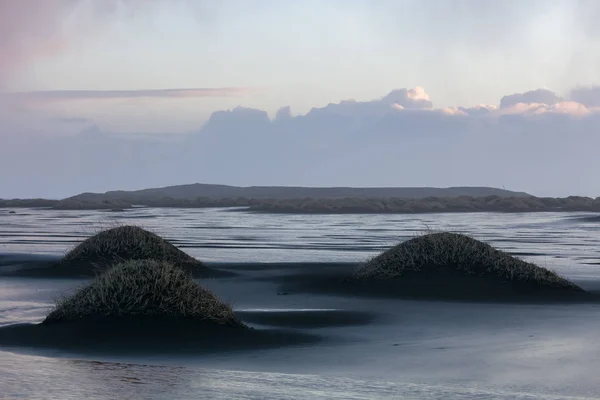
144,288
125,243
450,258
145,307
128,243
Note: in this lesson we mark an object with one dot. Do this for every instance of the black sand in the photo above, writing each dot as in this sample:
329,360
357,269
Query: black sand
307,319
336,279
91,268
146,335
51,267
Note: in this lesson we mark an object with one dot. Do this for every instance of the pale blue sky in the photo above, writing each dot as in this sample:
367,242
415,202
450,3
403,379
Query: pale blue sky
299,53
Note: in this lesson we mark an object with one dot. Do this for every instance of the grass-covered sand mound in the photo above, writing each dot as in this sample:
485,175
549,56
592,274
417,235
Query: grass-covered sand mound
144,306
119,244
451,264
443,266
129,243
144,288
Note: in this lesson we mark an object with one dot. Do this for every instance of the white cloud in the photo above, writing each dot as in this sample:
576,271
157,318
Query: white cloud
453,111
543,96
355,143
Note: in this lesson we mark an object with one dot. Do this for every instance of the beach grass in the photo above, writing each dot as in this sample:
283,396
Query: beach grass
457,254
144,288
128,242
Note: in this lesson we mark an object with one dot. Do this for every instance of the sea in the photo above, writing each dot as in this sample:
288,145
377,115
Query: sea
440,350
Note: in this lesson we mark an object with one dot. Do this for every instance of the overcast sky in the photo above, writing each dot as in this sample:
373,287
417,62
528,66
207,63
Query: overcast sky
137,68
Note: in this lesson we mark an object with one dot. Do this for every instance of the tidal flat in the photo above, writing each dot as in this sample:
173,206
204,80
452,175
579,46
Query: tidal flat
350,346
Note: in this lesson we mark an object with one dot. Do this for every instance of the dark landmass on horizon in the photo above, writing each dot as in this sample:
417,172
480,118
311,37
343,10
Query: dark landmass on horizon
318,200
210,191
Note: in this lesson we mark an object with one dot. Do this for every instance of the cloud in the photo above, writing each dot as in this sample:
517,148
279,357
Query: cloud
396,140
453,111
284,113
355,113
408,98
562,107
34,29
417,100
28,28
66,95
542,96
72,120
238,118
588,96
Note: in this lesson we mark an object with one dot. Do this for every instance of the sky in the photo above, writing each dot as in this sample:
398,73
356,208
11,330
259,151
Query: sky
326,80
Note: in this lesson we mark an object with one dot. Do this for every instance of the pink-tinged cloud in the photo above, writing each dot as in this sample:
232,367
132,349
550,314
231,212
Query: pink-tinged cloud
539,96
562,107
29,29
453,111
66,95
34,29
415,98
531,103
418,93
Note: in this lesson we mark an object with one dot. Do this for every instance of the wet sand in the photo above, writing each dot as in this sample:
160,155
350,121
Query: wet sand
368,346
542,348
141,336
50,267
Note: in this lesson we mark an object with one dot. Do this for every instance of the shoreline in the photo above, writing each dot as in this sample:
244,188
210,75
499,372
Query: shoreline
322,205
307,211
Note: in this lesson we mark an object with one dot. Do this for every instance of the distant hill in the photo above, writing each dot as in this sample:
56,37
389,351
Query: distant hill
316,200
196,190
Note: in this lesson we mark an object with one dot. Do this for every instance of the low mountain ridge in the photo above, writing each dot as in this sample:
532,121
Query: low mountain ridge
193,191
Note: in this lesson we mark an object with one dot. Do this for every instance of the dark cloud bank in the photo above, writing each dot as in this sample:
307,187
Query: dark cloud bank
536,142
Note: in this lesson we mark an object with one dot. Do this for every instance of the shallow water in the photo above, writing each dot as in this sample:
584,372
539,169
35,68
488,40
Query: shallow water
417,350
222,235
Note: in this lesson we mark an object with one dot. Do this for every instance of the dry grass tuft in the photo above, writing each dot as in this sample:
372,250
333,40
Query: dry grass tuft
447,252
128,243
146,288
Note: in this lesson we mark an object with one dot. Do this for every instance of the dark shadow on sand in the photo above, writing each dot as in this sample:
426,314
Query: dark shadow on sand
418,286
11,263
276,266
307,318
50,267
143,335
